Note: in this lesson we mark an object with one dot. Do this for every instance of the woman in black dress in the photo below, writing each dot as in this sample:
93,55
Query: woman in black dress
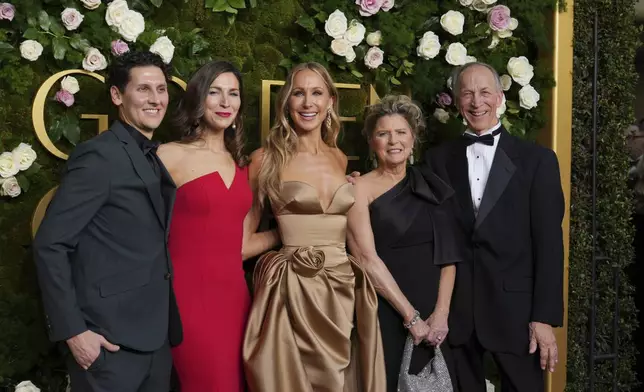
401,232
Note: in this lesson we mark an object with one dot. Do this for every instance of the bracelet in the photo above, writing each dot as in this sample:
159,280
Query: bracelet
413,320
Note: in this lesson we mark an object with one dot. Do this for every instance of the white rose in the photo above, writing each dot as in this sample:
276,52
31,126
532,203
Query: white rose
465,3
91,4
23,156
504,33
489,2
452,22
115,13
428,46
495,41
30,49
449,83
355,34
164,48
26,386
528,97
501,109
71,18
520,70
131,26
479,5
8,165
374,57
94,60
456,54
70,84
441,115
340,46
506,82
470,59
514,23
336,24
350,55
375,38
11,188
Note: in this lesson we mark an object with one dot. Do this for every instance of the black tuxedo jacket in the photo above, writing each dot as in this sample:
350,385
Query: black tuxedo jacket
513,273
101,253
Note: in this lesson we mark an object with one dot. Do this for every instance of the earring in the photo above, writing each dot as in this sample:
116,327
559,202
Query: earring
328,119
374,161
411,157
234,126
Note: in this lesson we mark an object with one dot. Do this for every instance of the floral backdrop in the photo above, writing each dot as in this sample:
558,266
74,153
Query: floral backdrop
408,46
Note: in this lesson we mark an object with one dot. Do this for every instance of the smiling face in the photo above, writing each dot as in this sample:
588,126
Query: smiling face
478,98
392,140
309,101
144,101
222,102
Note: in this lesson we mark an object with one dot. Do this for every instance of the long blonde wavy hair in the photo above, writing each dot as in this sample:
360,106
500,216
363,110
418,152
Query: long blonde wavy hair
281,144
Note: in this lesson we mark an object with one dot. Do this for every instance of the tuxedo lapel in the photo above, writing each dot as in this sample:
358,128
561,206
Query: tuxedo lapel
459,179
143,170
168,191
500,174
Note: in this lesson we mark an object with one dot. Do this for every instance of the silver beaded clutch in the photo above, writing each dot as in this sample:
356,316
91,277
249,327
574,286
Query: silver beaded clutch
433,378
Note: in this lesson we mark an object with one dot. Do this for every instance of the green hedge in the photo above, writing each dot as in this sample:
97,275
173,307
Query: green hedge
619,38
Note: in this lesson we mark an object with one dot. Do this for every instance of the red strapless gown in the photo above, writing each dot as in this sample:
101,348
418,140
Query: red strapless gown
205,246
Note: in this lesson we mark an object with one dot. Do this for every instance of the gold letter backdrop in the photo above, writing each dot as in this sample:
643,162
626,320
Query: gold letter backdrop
38,117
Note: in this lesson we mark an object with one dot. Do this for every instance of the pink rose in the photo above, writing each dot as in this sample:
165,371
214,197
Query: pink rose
387,5
443,100
369,7
7,11
65,97
119,47
499,18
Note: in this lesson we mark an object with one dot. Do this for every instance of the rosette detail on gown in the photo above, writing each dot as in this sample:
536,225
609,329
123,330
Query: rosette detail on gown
313,325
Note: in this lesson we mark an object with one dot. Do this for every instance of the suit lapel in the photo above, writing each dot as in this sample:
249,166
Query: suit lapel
459,179
500,174
169,190
143,170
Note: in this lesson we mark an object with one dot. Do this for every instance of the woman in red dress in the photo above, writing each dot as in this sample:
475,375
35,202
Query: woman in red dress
205,241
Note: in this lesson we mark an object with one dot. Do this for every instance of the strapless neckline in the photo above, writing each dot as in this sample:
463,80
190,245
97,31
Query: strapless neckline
317,193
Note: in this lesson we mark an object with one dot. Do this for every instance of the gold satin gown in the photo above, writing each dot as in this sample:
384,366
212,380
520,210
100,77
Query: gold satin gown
313,325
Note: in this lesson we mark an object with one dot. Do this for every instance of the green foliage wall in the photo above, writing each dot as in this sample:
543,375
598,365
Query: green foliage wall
618,39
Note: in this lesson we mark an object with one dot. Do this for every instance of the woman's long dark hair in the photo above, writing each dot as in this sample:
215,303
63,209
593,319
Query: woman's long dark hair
190,111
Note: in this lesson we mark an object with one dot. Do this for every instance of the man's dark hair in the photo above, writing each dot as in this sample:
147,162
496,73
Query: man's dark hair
119,71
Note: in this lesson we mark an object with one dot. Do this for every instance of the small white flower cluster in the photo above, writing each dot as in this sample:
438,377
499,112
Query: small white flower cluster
11,163
348,35
128,23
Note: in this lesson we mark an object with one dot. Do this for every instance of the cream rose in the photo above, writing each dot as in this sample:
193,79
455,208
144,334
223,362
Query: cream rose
495,41
470,59
374,39
91,4
71,18
506,82
11,188
456,54
374,57
340,46
428,46
350,55
23,156
489,2
8,165
164,48
479,5
26,386
115,13
504,33
336,24
70,84
30,50
528,97
514,23
520,70
355,33
501,109
94,60
131,26
465,3
441,115
452,22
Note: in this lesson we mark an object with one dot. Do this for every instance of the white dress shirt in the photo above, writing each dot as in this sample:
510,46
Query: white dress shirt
479,163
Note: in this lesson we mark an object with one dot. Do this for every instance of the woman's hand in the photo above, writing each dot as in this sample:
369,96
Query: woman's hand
419,331
437,328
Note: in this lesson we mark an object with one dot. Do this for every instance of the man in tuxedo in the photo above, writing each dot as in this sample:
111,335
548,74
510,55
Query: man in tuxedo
100,252
508,294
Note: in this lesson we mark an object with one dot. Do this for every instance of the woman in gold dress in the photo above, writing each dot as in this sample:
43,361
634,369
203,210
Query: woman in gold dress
313,324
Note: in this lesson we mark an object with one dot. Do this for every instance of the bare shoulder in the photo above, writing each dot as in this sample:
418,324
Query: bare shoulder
171,153
340,157
256,158
364,184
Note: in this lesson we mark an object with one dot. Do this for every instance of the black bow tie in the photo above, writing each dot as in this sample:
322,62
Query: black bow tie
485,139
150,146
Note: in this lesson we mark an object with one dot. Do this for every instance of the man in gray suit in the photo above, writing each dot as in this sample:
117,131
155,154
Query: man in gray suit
100,252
